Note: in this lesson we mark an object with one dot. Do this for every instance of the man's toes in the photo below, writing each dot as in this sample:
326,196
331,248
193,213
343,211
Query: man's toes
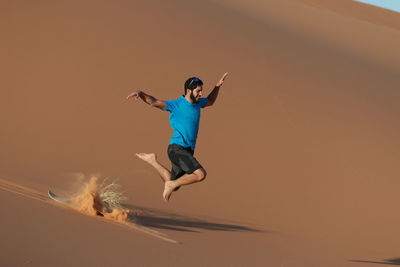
140,155
168,189
165,197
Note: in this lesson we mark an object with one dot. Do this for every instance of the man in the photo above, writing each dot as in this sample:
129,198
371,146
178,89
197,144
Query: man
184,120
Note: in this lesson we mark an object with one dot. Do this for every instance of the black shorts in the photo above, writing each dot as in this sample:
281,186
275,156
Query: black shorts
182,160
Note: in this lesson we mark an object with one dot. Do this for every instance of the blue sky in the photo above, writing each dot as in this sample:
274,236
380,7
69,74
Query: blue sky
388,4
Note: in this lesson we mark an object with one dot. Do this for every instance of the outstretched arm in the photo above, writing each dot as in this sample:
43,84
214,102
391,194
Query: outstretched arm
214,93
151,100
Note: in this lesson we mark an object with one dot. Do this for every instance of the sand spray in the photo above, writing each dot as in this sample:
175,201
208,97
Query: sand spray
97,199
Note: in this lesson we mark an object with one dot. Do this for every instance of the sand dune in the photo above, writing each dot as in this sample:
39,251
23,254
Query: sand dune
301,147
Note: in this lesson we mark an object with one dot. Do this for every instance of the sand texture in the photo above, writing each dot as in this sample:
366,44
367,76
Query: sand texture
301,147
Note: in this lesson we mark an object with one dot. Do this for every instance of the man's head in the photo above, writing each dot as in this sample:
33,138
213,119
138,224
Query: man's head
193,88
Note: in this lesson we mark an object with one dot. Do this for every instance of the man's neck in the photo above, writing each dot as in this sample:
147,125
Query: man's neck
188,98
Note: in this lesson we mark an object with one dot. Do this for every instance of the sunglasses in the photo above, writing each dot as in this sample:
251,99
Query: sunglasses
194,80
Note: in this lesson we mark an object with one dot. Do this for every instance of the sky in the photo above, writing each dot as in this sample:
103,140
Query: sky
388,4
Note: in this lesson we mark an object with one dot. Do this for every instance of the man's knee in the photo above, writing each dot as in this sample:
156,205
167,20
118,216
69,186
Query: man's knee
201,174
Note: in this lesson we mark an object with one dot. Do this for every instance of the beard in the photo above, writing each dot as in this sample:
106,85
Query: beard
193,98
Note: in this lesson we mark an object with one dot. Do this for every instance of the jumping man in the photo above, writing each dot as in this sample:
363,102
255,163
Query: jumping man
184,120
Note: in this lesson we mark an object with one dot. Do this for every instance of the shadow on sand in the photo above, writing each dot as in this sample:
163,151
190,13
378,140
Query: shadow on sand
163,220
394,261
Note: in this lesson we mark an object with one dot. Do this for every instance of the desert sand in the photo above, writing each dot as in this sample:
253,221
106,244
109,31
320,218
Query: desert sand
301,147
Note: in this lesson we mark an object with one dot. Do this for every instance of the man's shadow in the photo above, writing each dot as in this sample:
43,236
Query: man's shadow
394,261
163,220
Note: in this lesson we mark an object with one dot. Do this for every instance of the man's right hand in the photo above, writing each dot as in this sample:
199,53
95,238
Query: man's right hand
148,99
135,94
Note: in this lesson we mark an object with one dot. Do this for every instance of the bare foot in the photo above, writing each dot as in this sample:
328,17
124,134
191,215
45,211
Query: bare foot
148,157
168,189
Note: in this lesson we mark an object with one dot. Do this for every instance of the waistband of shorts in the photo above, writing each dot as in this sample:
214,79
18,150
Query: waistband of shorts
183,147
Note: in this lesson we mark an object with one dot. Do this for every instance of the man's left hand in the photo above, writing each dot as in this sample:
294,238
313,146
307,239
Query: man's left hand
221,81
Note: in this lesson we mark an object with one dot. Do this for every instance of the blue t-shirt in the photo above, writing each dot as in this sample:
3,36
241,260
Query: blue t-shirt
184,120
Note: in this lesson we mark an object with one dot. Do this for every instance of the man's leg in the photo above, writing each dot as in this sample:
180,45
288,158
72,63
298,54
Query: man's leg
151,158
195,177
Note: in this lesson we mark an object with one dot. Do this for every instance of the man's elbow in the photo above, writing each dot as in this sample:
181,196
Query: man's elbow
158,104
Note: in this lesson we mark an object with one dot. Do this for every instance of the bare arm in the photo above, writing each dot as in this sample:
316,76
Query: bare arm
148,99
212,96
214,93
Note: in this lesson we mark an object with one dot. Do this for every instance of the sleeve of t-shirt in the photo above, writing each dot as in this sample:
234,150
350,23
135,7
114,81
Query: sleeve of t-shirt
171,105
203,102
